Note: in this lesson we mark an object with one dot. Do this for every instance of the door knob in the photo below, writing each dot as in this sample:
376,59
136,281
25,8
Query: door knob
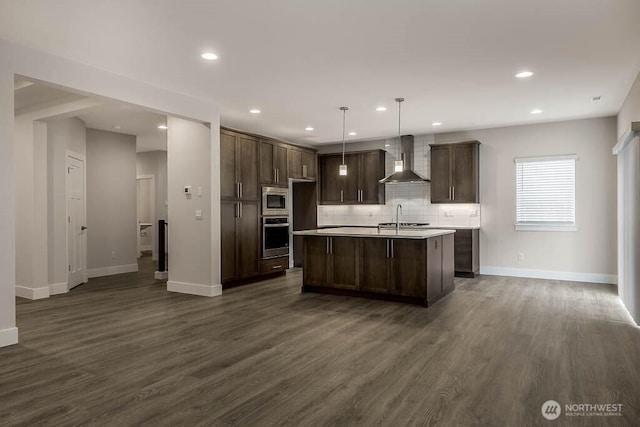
84,227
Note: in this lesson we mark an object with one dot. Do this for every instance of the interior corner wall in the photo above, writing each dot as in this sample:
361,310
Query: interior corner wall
8,330
190,162
588,254
629,206
111,203
62,135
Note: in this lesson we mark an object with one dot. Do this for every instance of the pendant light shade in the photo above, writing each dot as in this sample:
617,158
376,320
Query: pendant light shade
343,166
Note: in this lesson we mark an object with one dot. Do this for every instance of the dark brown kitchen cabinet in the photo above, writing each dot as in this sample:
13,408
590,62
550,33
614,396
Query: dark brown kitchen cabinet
467,259
302,163
238,166
331,262
361,184
273,163
240,239
455,173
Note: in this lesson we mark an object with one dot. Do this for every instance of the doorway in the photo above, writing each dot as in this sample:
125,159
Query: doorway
76,220
146,207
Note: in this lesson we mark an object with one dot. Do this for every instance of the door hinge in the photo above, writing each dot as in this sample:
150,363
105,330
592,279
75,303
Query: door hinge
68,170
69,267
69,219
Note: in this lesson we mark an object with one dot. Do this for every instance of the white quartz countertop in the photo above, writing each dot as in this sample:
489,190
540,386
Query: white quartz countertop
374,232
430,227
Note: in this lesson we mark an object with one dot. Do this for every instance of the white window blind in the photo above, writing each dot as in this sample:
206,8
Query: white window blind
546,192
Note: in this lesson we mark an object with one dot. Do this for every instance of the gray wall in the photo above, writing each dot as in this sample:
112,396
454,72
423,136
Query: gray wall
111,200
590,250
62,135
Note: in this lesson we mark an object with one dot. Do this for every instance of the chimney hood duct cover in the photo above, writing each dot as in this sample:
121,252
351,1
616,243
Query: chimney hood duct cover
407,175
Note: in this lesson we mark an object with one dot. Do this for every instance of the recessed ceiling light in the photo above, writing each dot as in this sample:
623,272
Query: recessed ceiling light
353,133
387,145
381,109
536,111
309,128
209,56
255,111
163,127
436,124
116,127
524,74
596,99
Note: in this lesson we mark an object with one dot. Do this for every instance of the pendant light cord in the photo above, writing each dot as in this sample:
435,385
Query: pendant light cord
344,120
399,101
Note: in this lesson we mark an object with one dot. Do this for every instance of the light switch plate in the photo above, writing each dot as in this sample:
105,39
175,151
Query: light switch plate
199,214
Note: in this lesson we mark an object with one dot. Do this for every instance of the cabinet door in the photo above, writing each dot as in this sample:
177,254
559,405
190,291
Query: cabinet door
440,174
228,253
343,265
310,160
371,171
351,182
434,268
295,163
316,261
375,275
447,263
331,182
248,240
247,166
463,251
281,164
228,162
465,173
267,163
409,259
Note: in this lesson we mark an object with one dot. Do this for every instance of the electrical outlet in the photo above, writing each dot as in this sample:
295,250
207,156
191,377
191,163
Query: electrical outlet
520,256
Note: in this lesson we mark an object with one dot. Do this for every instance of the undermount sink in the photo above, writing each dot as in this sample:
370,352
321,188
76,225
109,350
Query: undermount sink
403,225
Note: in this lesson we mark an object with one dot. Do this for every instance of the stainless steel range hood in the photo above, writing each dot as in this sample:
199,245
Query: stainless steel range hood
408,174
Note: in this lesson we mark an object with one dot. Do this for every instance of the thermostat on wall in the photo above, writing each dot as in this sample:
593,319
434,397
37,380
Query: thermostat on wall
187,190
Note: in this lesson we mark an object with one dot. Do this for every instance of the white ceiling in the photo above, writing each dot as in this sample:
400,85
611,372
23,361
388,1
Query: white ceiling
132,121
298,61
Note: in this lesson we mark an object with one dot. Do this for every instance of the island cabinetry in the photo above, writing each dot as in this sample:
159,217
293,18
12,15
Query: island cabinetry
361,184
454,172
331,262
405,269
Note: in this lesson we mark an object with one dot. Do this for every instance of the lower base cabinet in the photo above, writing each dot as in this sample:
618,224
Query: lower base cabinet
417,270
467,258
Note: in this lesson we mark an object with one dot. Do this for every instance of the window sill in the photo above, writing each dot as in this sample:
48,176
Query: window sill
540,227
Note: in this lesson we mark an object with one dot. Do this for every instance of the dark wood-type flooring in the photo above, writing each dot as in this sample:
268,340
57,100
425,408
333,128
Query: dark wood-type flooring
122,351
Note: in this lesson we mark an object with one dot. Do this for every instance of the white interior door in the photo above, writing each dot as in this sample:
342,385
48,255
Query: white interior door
76,224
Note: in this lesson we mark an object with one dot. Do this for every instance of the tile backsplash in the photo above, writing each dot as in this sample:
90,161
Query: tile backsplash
414,198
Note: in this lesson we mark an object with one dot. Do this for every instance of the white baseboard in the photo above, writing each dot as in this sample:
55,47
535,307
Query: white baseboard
8,337
194,289
32,293
145,248
161,275
58,288
610,279
108,271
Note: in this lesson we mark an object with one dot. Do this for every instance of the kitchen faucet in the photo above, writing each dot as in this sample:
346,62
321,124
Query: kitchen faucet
398,211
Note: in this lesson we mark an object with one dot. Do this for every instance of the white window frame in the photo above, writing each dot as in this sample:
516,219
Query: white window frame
544,226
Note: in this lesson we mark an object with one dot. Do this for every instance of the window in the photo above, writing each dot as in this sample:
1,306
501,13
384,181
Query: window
546,193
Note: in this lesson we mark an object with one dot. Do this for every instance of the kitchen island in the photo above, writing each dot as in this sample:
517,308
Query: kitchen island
415,266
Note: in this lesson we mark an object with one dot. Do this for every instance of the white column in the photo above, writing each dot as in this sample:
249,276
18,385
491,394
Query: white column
8,330
192,224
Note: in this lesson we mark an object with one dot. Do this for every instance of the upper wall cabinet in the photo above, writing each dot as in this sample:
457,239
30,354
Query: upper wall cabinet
238,166
359,186
273,163
302,163
454,172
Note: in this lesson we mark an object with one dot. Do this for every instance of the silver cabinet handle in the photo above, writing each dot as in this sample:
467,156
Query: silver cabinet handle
328,246
449,192
454,193
275,267
391,248
387,248
341,195
275,175
241,191
240,204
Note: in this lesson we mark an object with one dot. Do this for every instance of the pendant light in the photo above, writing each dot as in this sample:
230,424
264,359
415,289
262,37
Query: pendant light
343,166
398,165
